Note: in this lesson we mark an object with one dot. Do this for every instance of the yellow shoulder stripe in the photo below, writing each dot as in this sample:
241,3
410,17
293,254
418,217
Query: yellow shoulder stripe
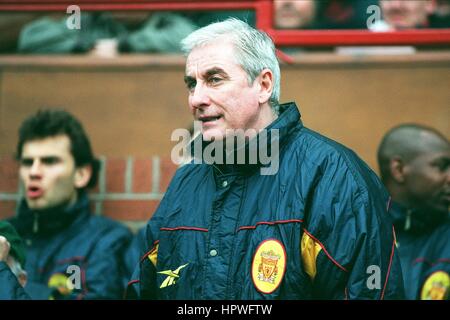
153,255
309,250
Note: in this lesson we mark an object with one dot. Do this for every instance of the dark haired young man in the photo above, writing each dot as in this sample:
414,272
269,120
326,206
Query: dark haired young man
71,254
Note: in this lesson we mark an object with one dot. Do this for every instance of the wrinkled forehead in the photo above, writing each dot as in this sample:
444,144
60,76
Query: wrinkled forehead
212,55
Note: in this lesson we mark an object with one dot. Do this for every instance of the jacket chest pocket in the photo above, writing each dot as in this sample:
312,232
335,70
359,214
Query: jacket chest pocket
268,263
67,276
179,261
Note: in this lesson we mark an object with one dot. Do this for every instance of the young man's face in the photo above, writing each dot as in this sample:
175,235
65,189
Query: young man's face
427,180
220,95
403,14
48,173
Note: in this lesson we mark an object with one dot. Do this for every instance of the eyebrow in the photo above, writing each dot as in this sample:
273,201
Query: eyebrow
49,157
207,74
214,71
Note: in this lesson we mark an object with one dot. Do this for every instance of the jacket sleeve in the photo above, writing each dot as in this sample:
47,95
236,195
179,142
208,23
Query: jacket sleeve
101,273
133,254
105,269
348,244
143,282
38,291
10,288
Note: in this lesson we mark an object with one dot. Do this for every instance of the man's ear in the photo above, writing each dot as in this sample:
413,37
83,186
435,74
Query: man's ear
82,176
397,169
265,85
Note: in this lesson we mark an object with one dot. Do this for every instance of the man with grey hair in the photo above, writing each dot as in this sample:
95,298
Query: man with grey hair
317,227
414,163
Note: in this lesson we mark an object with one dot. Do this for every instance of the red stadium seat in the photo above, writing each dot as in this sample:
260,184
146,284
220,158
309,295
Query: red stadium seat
263,11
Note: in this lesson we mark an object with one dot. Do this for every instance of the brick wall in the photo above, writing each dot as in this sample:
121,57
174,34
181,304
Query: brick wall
129,189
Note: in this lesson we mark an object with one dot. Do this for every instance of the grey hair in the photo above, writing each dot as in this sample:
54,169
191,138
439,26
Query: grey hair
255,49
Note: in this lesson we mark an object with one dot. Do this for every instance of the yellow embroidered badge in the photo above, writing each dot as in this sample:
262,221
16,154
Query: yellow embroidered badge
436,287
269,265
61,282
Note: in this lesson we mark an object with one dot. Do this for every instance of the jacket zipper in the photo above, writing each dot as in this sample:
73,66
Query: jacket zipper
35,224
408,220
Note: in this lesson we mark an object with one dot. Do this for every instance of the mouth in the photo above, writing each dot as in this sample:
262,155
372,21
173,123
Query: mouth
34,192
209,119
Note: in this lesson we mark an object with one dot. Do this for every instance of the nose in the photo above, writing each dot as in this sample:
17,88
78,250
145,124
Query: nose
35,169
199,97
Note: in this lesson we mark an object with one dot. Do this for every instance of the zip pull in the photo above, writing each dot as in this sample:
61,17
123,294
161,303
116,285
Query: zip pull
35,224
408,220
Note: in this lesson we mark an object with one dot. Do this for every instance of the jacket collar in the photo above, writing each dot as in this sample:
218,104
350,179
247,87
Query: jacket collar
413,221
52,221
288,120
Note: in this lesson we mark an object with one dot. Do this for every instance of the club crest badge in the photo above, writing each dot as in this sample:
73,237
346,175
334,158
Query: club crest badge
269,265
60,282
436,287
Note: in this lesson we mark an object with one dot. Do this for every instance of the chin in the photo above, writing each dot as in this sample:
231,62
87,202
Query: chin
213,135
213,138
36,205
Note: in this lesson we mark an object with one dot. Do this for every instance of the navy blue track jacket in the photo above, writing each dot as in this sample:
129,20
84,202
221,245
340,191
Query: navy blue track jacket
69,243
424,249
317,229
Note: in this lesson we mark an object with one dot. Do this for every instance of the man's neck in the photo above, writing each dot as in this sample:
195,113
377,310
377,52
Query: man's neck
268,115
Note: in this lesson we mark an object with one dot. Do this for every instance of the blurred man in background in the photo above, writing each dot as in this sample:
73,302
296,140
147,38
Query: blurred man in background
404,14
71,254
441,14
414,163
129,31
294,14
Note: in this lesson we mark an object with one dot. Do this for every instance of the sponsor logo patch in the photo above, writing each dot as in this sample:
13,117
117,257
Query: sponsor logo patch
172,276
